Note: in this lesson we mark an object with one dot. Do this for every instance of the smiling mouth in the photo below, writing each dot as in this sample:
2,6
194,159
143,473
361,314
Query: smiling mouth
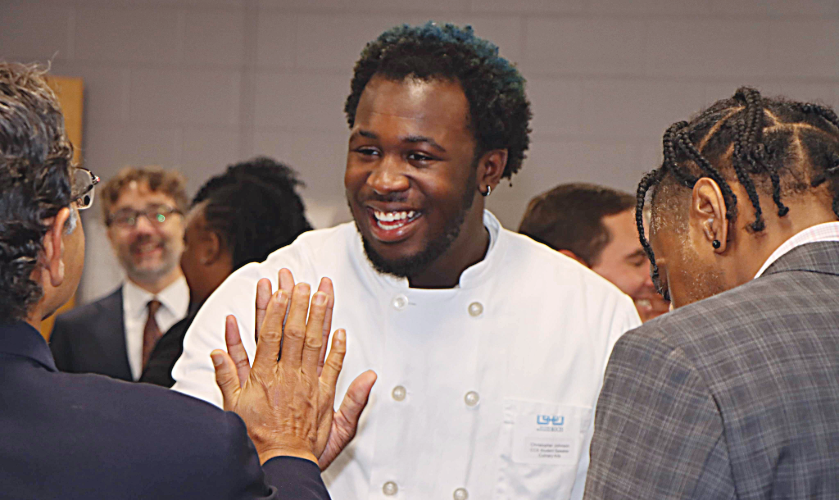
144,249
391,221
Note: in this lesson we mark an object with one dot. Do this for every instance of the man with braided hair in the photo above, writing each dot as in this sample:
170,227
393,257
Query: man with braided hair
736,393
489,347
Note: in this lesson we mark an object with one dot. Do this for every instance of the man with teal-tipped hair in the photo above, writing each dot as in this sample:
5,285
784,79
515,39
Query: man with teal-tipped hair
489,347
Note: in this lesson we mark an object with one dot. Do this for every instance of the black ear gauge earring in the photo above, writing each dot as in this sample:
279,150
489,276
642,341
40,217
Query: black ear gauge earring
716,244
487,192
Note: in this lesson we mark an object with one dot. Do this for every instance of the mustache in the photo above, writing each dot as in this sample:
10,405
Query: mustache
144,240
387,198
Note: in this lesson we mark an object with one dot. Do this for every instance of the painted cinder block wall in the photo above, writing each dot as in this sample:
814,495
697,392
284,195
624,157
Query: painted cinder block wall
199,84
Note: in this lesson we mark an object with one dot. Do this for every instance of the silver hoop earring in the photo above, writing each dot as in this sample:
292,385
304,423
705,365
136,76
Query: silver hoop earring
489,190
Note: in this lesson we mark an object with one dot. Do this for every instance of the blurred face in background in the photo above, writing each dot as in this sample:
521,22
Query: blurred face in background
205,261
146,233
624,262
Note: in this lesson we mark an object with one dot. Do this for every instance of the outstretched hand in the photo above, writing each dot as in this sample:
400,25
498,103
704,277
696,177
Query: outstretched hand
288,404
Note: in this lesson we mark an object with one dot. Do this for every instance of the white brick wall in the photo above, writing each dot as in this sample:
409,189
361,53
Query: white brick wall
199,84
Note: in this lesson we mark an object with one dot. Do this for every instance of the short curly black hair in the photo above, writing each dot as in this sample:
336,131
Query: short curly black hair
35,162
499,112
254,208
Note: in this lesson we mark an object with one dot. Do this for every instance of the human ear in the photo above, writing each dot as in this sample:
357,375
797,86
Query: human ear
54,247
490,169
708,213
211,248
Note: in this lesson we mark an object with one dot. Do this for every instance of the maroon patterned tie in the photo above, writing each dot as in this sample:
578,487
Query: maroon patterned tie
151,332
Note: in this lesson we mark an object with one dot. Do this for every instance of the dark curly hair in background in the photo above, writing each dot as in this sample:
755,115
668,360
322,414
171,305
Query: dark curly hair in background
237,204
35,161
774,145
499,111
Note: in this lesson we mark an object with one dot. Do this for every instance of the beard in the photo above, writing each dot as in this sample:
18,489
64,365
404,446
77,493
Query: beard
144,274
415,264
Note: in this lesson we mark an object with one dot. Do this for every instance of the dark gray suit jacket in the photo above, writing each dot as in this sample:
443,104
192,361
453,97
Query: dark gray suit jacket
91,339
735,396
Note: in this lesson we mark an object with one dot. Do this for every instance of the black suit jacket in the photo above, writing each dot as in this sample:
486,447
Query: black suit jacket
734,396
74,436
91,339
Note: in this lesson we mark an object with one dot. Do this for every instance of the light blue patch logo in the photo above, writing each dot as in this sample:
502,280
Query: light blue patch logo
554,420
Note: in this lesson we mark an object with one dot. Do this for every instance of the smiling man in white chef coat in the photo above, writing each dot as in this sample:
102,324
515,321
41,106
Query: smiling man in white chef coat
489,347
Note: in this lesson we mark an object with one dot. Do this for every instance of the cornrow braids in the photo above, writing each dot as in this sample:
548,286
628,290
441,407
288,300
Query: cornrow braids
237,203
771,143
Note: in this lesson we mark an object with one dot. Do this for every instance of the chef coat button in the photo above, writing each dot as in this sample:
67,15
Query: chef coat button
399,393
400,301
390,488
460,494
475,309
471,398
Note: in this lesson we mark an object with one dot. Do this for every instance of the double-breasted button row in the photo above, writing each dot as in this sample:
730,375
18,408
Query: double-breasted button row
390,488
400,301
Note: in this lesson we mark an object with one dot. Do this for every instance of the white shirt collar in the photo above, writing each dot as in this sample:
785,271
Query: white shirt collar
828,231
174,297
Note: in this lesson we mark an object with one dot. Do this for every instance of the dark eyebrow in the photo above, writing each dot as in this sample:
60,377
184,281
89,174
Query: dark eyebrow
419,138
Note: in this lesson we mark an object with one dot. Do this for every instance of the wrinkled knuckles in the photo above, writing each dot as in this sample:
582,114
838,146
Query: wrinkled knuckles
335,364
314,343
295,332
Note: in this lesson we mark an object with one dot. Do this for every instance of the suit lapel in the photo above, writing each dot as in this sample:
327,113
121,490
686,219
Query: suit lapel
110,319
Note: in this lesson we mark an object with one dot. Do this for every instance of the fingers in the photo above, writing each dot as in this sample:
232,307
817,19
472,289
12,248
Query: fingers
271,334
327,288
313,344
295,327
335,360
226,378
236,350
285,281
356,399
263,296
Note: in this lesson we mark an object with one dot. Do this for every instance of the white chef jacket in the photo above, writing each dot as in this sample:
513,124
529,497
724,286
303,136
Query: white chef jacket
485,390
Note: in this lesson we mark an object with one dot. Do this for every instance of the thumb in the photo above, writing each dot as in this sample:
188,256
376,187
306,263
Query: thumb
227,378
356,399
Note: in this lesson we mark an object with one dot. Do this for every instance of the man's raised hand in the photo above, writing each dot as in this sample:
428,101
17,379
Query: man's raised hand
287,405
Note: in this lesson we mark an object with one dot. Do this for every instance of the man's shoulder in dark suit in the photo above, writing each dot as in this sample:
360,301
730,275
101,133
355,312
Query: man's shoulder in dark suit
88,436
91,339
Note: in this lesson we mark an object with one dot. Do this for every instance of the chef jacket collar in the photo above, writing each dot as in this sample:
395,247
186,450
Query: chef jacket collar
471,277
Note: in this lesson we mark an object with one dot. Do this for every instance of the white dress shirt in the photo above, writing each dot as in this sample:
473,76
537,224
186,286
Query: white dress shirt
827,231
174,302
485,390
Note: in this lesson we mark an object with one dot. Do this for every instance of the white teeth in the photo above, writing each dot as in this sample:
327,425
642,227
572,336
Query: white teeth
393,216
393,220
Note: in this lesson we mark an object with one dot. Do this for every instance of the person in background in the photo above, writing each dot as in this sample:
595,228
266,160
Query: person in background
225,229
143,210
734,394
483,340
82,436
595,225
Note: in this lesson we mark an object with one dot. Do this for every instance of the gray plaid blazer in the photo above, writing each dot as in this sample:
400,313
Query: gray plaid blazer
735,396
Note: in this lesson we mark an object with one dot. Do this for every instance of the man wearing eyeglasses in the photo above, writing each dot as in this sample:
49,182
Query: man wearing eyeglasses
114,336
